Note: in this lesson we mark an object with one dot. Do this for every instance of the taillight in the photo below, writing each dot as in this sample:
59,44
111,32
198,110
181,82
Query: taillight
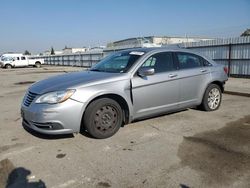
226,70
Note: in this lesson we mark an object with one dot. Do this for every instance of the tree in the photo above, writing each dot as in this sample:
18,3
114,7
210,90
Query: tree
52,52
245,33
26,52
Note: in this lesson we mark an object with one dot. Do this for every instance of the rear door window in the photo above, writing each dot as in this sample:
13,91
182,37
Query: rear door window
23,58
188,60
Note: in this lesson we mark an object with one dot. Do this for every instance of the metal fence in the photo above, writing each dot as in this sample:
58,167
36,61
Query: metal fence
86,59
232,52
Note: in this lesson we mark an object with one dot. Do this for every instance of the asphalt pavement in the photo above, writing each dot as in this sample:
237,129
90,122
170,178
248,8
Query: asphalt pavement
191,148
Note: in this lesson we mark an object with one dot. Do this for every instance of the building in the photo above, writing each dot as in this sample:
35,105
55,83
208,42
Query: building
48,52
97,49
58,52
150,41
67,50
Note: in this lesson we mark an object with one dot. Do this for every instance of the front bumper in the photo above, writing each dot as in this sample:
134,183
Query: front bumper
62,118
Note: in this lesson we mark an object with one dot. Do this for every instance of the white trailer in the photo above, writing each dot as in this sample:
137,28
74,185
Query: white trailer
19,60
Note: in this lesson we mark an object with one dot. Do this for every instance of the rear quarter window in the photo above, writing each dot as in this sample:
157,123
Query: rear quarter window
206,63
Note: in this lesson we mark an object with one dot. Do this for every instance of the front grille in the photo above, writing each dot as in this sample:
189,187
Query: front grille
29,98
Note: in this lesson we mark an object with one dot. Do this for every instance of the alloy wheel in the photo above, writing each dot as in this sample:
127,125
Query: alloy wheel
214,98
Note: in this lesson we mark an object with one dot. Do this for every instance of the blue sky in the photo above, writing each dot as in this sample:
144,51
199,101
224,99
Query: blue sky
38,25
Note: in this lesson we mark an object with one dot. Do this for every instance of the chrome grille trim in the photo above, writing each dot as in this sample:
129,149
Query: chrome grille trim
29,98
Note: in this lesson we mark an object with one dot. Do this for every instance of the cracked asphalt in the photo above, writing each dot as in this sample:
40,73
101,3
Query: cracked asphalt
190,148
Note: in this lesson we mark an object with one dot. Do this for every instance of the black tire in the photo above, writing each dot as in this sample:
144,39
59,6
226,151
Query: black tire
37,64
209,98
8,66
103,118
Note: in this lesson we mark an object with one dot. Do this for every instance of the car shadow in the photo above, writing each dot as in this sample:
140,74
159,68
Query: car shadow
45,136
86,134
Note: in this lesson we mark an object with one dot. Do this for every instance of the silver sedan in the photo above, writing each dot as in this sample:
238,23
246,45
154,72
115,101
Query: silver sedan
125,86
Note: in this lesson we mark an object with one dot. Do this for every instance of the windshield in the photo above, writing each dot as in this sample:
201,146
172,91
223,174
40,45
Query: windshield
118,62
6,58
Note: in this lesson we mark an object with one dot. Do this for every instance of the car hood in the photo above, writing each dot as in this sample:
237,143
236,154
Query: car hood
73,81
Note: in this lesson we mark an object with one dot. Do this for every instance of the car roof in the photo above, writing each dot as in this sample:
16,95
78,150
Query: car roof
155,49
12,55
170,48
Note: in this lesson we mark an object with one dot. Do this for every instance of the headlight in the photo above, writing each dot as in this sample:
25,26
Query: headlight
55,97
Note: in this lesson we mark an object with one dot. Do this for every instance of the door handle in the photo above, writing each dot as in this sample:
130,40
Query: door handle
203,70
172,75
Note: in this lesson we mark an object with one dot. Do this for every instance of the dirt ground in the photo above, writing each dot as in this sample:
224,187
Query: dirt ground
190,148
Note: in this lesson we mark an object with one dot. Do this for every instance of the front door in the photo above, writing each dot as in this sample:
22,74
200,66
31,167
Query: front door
17,62
158,92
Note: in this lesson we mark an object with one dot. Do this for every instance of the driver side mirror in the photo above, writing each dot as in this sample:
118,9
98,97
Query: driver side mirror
145,71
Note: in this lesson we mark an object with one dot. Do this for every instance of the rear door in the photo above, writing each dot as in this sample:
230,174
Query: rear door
159,92
193,77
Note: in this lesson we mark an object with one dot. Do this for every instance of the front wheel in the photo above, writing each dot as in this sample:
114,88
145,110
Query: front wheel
212,98
8,66
103,118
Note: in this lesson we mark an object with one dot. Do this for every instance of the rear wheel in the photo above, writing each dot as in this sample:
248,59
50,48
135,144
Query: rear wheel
103,118
212,98
37,64
8,66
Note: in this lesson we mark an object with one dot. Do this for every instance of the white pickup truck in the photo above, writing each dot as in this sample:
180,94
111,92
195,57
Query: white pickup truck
9,61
